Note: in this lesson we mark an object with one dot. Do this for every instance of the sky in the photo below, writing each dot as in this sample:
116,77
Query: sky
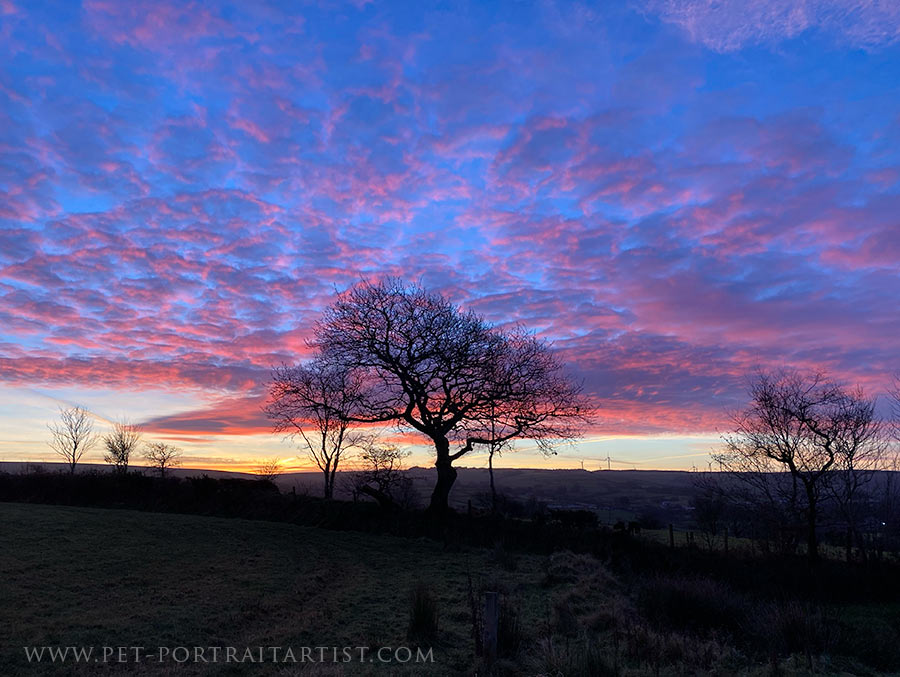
673,192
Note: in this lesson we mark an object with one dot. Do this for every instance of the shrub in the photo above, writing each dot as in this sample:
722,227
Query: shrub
510,636
870,639
573,659
693,604
565,618
793,627
566,567
423,615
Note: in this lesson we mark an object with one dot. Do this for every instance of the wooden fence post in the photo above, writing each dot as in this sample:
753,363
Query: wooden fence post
490,629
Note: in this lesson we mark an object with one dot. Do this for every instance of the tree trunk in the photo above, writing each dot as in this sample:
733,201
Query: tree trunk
493,489
329,484
383,499
812,543
446,476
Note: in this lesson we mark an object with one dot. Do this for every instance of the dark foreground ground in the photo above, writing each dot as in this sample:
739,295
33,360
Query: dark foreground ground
97,577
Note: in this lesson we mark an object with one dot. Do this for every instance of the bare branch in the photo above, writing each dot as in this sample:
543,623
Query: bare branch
120,443
803,438
162,456
313,404
269,469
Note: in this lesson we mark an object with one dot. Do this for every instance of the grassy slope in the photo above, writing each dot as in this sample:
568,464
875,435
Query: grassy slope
82,576
79,576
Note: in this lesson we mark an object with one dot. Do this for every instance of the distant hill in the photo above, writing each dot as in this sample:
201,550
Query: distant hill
612,494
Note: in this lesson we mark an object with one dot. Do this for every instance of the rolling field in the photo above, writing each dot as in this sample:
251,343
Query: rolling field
86,577
93,577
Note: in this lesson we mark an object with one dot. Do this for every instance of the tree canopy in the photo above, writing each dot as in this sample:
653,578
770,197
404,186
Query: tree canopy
426,364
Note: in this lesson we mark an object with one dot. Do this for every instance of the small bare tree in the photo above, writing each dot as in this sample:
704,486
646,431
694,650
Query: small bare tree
268,469
861,444
710,503
381,476
120,443
496,447
162,457
73,435
312,403
799,436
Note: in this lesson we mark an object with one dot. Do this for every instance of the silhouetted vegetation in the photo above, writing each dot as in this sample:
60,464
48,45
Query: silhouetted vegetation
268,469
73,435
798,554
162,456
423,615
313,403
803,438
381,476
425,364
121,442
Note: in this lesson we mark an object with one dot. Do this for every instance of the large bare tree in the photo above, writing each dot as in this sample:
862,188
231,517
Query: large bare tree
802,437
427,365
313,403
121,442
72,435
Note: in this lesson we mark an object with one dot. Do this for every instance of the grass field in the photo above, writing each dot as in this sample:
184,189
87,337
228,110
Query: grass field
93,578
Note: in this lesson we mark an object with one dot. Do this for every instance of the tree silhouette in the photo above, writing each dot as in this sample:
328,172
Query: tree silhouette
73,435
162,457
314,403
424,363
381,476
800,434
495,448
120,443
268,469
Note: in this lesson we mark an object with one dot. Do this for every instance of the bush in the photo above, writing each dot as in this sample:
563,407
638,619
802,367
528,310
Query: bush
423,615
870,639
693,604
793,627
510,637
567,567
574,659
